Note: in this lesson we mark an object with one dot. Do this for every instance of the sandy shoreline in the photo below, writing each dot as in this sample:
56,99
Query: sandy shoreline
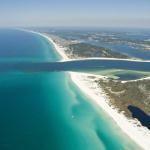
104,58
139,134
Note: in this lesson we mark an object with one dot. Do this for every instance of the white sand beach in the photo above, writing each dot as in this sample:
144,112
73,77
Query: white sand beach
138,133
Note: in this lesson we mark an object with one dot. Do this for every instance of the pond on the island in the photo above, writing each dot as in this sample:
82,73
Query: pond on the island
140,115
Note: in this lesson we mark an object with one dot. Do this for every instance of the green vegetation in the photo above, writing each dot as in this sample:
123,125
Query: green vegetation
123,94
75,49
88,50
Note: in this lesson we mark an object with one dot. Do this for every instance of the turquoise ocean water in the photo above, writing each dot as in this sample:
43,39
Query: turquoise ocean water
46,111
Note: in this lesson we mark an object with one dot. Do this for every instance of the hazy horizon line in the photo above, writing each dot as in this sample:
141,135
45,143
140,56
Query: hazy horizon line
77,27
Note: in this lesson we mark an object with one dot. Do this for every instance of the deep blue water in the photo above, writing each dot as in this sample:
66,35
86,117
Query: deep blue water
76,65
129,51
18,46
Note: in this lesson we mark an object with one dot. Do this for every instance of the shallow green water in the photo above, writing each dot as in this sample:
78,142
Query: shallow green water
46,111
121,74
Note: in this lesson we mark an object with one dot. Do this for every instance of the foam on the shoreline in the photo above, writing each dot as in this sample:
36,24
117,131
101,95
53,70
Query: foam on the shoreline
140,134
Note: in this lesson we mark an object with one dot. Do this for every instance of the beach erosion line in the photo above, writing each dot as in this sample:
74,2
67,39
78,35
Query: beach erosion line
132,127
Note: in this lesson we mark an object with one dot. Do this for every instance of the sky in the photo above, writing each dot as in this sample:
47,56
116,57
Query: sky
81,13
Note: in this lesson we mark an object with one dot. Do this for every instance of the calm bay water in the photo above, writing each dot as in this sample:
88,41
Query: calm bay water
46,111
